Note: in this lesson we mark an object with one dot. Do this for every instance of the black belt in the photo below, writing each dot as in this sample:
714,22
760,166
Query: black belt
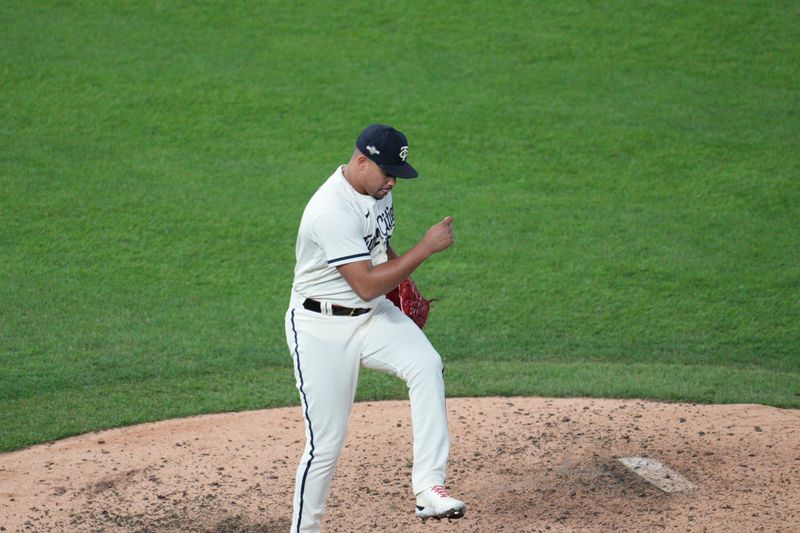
339,310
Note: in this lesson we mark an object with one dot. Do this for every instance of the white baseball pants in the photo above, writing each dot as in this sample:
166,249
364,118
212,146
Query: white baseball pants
328,351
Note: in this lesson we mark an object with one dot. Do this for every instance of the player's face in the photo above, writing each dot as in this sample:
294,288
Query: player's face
378,183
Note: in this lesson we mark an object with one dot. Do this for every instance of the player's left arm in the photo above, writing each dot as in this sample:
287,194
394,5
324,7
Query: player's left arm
370,281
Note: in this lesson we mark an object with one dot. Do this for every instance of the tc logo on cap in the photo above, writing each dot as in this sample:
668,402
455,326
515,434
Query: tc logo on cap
403,152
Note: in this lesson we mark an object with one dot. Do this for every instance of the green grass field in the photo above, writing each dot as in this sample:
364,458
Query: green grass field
623,176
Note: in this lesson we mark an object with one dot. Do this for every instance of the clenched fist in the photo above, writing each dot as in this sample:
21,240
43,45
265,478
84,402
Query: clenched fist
440,236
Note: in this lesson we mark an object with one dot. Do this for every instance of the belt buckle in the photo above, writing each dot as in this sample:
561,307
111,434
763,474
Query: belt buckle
352,311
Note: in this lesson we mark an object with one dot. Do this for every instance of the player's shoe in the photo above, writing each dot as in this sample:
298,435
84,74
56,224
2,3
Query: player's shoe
436,503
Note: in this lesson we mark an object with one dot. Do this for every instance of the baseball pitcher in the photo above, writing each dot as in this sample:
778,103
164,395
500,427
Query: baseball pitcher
340,319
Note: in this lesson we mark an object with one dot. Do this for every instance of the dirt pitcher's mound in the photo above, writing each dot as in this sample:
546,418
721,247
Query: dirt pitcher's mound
521,464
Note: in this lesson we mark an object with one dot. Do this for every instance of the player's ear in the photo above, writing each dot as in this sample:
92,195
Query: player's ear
362,160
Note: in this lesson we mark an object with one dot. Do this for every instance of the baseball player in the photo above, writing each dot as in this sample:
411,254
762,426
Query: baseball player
339,319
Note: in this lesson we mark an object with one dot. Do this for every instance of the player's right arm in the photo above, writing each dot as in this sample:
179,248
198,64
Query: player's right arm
370,281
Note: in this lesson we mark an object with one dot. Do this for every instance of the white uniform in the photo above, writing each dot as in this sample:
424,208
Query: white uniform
340,226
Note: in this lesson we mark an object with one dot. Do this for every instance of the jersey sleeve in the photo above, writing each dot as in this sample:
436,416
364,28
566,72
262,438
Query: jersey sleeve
338,233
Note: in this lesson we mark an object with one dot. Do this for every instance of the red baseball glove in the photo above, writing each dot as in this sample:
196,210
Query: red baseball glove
411,302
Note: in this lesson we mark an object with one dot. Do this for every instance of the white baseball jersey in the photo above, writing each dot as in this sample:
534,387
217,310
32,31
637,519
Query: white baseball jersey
340,226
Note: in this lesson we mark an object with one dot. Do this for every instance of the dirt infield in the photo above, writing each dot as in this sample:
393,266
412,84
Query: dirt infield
521,464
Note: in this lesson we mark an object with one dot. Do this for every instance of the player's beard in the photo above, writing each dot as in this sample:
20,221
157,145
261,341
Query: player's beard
382,193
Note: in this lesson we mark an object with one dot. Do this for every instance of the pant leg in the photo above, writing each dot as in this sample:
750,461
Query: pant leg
396,345
326,363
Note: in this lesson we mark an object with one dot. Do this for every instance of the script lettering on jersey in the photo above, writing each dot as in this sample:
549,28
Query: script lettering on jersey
383,230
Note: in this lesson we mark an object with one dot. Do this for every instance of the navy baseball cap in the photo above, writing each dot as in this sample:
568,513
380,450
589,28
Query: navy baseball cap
388,148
